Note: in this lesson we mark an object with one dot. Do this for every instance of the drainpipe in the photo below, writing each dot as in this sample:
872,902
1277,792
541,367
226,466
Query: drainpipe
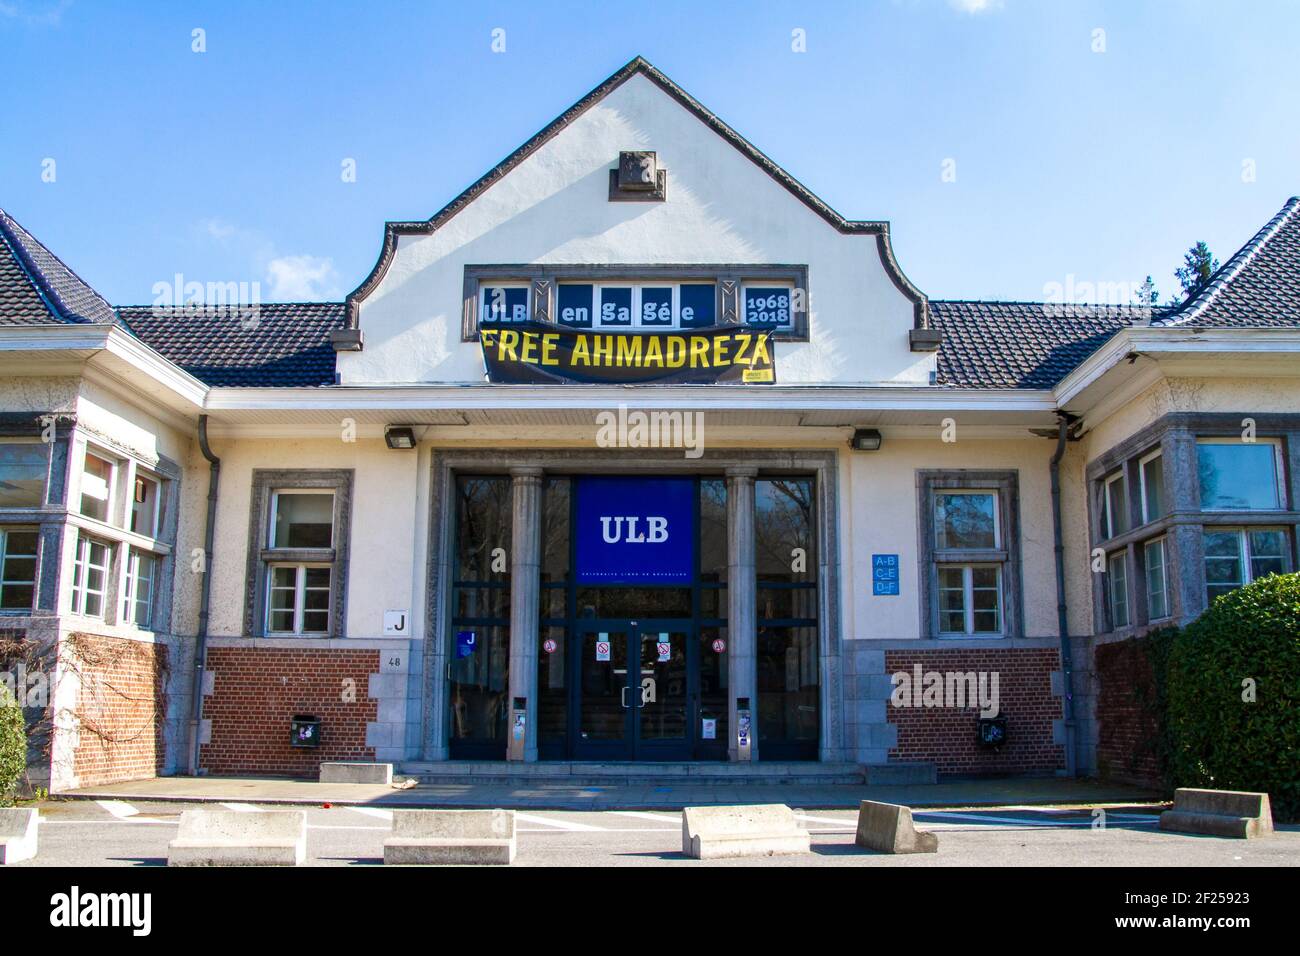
205,596
1062,619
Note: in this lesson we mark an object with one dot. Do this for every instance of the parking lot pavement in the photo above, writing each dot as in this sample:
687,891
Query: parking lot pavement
122,833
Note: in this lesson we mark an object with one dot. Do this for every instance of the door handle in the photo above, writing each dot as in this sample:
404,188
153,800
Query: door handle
624,698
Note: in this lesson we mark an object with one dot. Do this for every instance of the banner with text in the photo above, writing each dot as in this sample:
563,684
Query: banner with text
534,353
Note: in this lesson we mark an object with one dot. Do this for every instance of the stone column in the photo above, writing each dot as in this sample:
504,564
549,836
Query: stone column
742,605
525,582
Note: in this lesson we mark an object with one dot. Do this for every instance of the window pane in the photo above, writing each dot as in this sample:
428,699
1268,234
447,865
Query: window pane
17,569
483,523
22,474
479,672
485,602
768,305
1223,570
713,530
1119,591
555,530
1117,506
616,305
774,603
552,687
787,684
144,503
657,306
1157,591
1153,476
1237,476
575,305
985,600
504,304
952,600
1267,553
698,305
304,521
965,521
784,547
96,481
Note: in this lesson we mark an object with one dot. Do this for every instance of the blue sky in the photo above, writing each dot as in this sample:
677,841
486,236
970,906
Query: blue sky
225,165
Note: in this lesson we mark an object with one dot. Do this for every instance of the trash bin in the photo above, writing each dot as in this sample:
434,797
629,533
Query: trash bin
304,731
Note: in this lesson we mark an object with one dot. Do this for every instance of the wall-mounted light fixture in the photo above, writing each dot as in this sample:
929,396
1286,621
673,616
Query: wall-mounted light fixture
865,439
399,436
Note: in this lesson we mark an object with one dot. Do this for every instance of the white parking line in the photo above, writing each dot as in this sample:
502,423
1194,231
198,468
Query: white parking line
558,824
643,815
838,822
118,808
242,807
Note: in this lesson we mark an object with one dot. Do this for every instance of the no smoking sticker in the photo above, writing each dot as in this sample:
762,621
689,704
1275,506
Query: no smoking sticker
719,645
549,646
602,648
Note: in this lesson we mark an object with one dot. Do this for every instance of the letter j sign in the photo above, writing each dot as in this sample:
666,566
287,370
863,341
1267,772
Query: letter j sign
636,530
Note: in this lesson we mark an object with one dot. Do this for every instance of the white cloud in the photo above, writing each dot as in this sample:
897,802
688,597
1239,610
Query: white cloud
302,278
48,14
975,6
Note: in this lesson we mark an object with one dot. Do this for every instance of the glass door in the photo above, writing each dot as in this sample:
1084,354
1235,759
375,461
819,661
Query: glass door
603,730
662,695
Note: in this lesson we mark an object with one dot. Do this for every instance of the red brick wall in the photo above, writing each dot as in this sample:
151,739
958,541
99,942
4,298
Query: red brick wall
120,709
257,691
946,736
1127,725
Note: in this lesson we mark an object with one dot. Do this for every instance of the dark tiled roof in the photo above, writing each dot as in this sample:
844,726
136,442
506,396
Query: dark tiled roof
36,287
1259,287
1020,344
280,344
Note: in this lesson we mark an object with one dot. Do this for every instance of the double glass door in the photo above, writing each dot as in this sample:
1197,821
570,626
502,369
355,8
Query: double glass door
637,692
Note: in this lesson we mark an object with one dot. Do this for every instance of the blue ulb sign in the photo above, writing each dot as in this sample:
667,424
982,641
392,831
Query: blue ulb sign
635,530
884,574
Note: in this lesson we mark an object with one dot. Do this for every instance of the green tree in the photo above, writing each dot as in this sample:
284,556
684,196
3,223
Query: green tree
1198,265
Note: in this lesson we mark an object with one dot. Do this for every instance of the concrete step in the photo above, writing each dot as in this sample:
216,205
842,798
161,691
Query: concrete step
584,774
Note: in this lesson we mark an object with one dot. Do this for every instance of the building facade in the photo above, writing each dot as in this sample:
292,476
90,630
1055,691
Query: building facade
636,450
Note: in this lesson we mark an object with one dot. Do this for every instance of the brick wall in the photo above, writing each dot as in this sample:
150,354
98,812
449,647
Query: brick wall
946,736
120,707
256,691
1127,725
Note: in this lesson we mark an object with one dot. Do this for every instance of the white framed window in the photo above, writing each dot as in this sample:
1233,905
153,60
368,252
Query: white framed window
1117,580
966,520
768,304
146,505
1235,475
1114,505
18,548
970,599
24,464
138,586
1151,478
1153,557
1237,556
98,480
298,599
503,302
301,518
90,576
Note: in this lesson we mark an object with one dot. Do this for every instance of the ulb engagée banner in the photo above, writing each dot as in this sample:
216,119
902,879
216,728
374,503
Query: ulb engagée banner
533,353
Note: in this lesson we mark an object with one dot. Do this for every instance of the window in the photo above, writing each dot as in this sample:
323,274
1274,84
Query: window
17,569
141,573
970,599
966,520
97,486
1114,505
503,302
1151,475
302,519
90,577
1237,556
145,505
1153,554
1117,568
1239,476
627,305
299,599
23,466
769,305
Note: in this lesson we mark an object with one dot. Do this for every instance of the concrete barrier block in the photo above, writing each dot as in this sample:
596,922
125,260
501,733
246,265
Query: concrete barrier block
349,772
888,828
231,838
17,834
1237,814
440,837
710,833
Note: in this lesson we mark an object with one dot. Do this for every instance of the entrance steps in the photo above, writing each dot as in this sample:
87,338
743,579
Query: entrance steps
549,773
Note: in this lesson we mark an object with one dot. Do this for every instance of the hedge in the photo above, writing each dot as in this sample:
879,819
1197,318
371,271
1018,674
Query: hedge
13,745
